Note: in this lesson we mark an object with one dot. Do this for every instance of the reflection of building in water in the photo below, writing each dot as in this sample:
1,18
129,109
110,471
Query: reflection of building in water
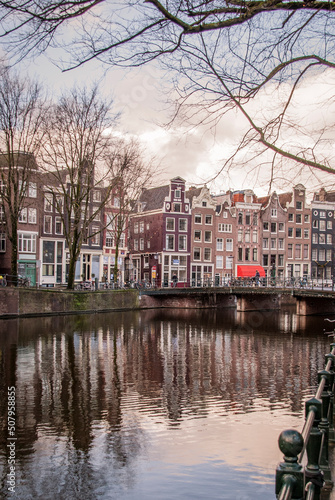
112,371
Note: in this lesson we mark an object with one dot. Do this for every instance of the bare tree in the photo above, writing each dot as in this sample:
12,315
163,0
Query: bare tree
231,53
137,173
21,115
73,158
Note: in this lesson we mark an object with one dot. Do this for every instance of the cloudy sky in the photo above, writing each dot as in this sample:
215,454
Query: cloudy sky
197,153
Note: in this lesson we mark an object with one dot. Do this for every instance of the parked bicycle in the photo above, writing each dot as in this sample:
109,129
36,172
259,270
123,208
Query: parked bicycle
3,280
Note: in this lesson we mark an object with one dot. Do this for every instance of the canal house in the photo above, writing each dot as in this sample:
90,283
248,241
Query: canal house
159,235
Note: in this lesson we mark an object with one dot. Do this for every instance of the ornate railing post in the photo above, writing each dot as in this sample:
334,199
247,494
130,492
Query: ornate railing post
330,363
313,475
324,426
290,474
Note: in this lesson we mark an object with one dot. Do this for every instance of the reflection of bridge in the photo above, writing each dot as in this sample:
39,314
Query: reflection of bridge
307,301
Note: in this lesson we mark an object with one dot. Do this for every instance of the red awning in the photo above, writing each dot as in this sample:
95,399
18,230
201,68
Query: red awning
249,271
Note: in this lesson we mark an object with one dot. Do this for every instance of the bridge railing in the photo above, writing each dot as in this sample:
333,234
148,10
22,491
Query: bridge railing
298,477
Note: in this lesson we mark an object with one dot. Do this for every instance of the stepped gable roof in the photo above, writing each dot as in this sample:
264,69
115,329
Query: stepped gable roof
153,198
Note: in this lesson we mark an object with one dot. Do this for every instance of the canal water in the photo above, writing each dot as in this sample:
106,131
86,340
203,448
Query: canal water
182,404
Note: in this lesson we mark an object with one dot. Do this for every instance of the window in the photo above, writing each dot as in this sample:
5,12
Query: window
97,216
135,244
247,219
141,244
265,226
265,242
247,254
27,242
146,261
314,254
177,193
298,218
207,253
322,225
322,214
32,190
32,215
254,254
247,236
197,235
169,224
48,224
208,236
95,239
219,244
204,203
225,228
48,202
290,232
322,255
315,224
196,254
170,242
240,218
208,219
281,226
97,195
197,219
297,251
2,187
329,224
290,250
2,242
23,217
328,255
281,243
254,237
135,227
240,254
48,258
177,207
298,232
182,224
280,260
254,219
290,217
116,202
329,239
225,215
273,243
229,244
219,261
141,227
240,235
305,251
58,225
298,205
2,214
182,242
306,233
273,212
306,218
273,227
265,260
314,238
110,241
322,239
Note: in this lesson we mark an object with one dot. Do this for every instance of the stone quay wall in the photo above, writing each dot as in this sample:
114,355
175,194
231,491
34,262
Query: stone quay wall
38,302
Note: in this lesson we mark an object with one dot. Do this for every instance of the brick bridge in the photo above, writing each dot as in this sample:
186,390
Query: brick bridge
307,301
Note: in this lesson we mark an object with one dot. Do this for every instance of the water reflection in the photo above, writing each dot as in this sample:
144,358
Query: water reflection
154,404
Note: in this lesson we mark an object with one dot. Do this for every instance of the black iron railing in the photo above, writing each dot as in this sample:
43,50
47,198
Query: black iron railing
296,477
